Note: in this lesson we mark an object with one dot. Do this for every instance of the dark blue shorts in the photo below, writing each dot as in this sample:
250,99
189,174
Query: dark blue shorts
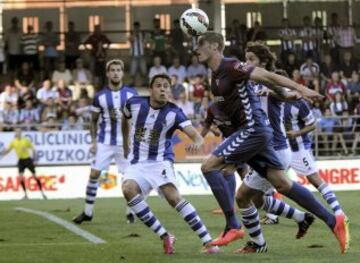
254,148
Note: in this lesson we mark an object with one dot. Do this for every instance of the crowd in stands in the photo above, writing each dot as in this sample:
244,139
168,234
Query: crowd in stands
48,87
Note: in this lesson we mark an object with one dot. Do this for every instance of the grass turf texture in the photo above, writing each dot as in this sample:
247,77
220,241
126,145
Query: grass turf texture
29,238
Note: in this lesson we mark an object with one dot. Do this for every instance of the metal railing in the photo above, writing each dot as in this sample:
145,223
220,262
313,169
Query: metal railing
336,137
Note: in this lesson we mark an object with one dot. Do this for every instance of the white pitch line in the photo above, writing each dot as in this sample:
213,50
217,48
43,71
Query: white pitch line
71,227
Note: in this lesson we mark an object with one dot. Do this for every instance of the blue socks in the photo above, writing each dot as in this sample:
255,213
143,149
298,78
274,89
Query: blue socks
231,181
307,200
221,191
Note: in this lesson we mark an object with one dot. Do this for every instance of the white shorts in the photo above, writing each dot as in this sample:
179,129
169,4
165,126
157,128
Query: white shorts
105,154
151,175
303,162
254,181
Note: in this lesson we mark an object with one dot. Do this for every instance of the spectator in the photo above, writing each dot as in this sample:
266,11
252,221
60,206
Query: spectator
335,86
62,73
159,40
186,105
197,91
50,110
309,70
327,125
296,76
347,39
25,76
287,36
50,124
50,40
9,116
13,45
308,37
84,111
71,124
82,79
2,55
29,115
45,93
327,68
65,94
195,68
138,61
333,37
158,68
257,33
339,105
178,70
25,94
30,44
72,43
291,64
237,38
177,40
319,37
353,87
348,66
10,96
176,87
99,43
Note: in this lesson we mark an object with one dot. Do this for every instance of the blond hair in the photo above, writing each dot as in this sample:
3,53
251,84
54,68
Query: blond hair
114,62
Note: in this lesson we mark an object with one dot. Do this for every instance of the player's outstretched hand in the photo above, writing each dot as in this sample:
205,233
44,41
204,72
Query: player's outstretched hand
311,95
193,148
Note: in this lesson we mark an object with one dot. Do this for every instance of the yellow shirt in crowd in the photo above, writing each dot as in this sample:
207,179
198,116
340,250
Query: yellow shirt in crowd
21,147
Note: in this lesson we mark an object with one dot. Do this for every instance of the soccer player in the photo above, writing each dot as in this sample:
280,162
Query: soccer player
300,121
251,143
153,122
106,134
22,147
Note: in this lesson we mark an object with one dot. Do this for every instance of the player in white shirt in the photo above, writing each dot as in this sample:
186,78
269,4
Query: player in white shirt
105,132
153,122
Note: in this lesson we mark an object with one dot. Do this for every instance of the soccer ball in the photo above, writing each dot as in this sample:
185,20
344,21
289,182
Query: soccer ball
194,22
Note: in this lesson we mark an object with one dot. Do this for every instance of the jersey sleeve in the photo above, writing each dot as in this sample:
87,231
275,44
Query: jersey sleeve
95,107
305,113
181,120
240,71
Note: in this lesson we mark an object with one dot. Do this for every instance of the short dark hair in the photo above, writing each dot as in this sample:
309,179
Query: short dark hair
263,53
159,76
213,37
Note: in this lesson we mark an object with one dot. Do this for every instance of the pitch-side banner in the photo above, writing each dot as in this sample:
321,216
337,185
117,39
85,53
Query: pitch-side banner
70,181
55,147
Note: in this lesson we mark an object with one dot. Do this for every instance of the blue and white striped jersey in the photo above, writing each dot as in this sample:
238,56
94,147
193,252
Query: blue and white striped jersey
298,115
109,104
274,109
152,129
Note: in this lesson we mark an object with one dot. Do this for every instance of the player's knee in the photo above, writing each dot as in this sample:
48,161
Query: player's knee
130,189
315,180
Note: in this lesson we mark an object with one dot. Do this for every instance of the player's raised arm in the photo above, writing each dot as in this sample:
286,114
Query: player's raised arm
271,79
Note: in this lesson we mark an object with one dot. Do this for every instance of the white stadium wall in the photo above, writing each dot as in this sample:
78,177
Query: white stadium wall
70,181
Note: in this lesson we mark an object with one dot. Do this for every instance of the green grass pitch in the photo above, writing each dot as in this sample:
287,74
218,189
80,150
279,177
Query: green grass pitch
29,238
